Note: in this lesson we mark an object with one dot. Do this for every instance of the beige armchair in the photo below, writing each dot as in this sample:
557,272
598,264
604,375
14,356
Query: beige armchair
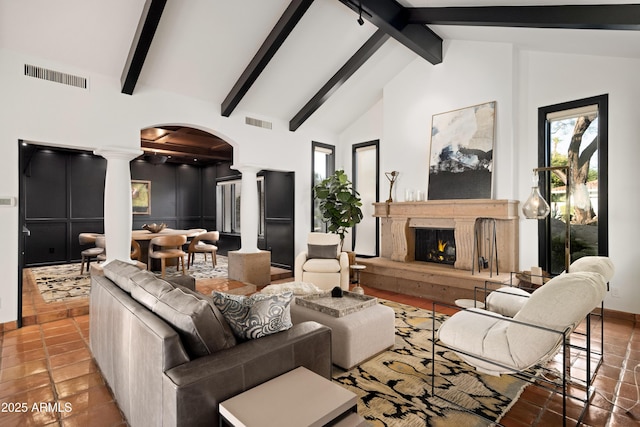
323,264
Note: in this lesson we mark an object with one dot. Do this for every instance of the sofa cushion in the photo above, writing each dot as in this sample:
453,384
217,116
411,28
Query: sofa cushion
319,265
119,272
322,251
256,316
199,323
147,289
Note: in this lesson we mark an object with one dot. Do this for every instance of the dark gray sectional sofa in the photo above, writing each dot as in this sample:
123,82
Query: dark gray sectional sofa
169,357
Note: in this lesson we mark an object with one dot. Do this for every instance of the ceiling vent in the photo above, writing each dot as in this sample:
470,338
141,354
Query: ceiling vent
257,122
55,76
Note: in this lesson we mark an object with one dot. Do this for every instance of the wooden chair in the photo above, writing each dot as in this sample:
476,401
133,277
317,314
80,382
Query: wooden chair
199,245
136,250
87,254
170,246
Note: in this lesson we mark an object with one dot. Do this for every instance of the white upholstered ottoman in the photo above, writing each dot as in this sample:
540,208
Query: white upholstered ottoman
356,336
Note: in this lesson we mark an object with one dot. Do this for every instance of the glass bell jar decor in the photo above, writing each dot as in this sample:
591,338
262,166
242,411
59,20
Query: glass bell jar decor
536,207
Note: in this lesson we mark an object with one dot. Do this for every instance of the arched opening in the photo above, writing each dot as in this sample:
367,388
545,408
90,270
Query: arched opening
62,195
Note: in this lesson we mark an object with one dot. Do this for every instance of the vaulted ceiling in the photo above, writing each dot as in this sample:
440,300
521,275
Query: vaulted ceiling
302,61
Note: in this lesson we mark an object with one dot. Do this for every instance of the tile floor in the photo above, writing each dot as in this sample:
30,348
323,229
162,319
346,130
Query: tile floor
48,377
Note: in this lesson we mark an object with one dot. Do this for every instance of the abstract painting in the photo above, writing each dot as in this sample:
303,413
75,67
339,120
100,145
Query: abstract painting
461,157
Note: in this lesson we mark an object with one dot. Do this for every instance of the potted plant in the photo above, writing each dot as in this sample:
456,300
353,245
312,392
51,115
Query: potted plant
339,203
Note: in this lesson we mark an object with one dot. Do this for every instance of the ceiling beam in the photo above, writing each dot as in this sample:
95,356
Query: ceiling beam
272,43
591,17
391,17
179,150
370,47
149,19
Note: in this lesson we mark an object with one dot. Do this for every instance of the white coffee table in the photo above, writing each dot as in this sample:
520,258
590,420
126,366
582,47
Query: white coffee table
298,398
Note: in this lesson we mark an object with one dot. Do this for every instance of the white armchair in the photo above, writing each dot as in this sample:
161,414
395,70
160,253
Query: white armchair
322,263
496,344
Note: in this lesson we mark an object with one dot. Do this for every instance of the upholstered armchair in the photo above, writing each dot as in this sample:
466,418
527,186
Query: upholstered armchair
498,344
323,264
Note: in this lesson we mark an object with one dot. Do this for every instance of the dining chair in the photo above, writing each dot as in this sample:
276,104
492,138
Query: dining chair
87,254
136,250
203,244
169,246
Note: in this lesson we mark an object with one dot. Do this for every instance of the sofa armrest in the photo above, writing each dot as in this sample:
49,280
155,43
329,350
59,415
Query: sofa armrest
344,271
301,258
197,388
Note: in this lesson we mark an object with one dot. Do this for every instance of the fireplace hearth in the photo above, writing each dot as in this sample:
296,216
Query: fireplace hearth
435,245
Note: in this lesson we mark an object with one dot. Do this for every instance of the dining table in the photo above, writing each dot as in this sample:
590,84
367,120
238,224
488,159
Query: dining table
144,237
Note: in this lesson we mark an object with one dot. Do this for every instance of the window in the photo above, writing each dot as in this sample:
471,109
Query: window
322,165
228,206
366,183
574,134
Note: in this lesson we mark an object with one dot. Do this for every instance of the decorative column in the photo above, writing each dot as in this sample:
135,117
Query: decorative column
117,202
249,264
249,208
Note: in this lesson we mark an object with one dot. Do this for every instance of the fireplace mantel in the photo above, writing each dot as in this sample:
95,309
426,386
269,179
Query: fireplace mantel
398,220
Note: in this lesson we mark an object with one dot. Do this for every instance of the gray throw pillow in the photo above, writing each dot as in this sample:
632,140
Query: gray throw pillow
255,316
198,322
322,251
119,272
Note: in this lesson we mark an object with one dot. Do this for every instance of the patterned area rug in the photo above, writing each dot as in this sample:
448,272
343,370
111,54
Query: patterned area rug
61,282
64,282
394,388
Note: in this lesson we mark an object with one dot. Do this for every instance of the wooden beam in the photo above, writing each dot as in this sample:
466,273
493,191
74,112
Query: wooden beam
391,17
274,40
589,17
351,66
151,14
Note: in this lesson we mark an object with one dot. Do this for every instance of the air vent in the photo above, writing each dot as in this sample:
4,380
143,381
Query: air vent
54,76
257,122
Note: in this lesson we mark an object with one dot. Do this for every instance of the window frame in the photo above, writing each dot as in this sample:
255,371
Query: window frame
544,160
330,168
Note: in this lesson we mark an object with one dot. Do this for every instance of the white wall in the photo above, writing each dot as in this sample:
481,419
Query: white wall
60,115
549,79
520,82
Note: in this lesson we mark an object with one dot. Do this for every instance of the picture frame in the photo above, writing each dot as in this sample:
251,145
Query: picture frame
141,197
461,153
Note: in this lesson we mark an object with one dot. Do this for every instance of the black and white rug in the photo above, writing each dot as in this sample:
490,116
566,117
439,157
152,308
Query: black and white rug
394,388
64,282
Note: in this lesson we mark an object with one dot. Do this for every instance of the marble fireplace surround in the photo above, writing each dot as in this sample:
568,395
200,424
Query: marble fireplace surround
399,220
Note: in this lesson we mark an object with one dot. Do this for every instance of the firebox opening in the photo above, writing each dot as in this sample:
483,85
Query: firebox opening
435,245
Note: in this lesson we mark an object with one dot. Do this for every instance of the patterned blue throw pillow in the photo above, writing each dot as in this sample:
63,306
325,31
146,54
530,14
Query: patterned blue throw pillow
255,316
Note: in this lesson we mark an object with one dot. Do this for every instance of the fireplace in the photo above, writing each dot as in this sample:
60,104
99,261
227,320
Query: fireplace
436,245
399,221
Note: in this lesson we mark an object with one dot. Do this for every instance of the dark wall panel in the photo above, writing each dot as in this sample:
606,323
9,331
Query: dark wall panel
209,193
46,185
279,188
47,243
86,185
190,192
